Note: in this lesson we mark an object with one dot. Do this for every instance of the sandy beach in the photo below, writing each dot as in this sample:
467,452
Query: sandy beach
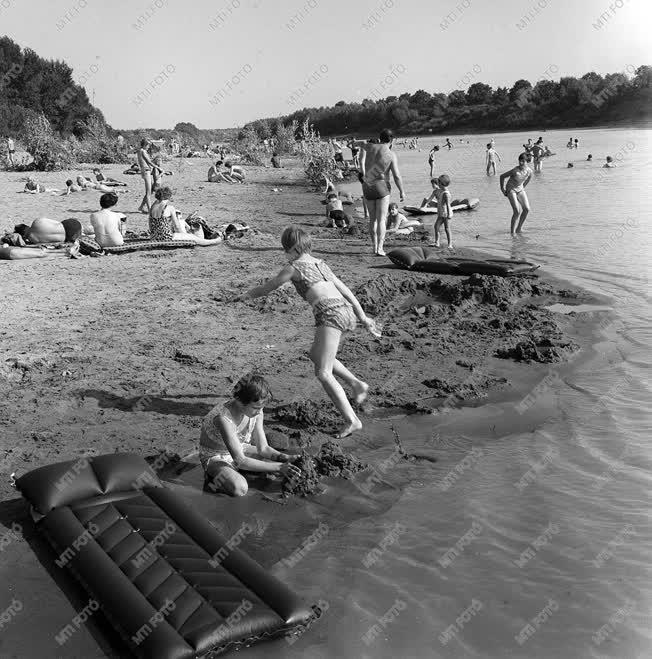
129,352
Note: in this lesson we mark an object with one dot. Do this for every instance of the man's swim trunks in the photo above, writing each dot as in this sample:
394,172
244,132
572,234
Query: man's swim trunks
376,189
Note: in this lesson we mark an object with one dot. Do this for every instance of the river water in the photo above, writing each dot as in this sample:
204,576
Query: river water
539,519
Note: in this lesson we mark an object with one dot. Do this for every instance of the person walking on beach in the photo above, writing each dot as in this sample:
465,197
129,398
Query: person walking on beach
376,163
448,144
517,179
335,309
11,150
492,155
146,165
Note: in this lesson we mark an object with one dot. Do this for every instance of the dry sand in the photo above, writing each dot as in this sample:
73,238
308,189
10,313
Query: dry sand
128,352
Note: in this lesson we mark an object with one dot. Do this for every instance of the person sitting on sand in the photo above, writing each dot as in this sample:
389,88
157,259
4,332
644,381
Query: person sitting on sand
108,226
335,309
217,175
335,215
517,179
610,162
398,223
232,441
107,180
165,223
71,187
235,172
547,152
32,187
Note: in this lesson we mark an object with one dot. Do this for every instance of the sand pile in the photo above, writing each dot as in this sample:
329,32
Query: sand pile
482,289
331,461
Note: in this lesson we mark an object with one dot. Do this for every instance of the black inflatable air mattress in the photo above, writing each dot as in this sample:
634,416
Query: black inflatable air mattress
430,259
168,582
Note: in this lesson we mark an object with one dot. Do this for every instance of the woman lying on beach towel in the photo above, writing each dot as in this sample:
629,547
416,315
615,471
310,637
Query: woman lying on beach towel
45,230
165,222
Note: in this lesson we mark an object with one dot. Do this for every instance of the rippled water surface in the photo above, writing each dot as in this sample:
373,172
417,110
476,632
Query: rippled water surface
553,506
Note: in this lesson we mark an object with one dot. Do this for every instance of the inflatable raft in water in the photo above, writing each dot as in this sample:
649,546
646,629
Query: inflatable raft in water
429,259
456,205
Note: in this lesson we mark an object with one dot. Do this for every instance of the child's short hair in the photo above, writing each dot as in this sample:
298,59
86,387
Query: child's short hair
295,238
444,180
108,199
251,388
488,145
393,204
69,182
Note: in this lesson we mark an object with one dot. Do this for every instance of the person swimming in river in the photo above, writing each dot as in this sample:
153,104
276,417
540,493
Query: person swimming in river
335,309
610,162
232,443
514,189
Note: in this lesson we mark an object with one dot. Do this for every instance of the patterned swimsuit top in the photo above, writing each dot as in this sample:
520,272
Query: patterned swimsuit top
310,273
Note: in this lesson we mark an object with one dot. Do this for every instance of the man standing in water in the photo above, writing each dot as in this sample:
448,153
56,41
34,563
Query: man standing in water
376,163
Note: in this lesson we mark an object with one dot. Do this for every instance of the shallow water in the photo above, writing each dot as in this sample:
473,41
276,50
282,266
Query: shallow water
570,480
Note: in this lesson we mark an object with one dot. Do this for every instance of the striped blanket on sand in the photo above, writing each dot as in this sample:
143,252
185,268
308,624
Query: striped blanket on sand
88,246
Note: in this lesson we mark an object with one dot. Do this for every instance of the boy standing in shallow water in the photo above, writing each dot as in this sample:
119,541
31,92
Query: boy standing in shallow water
492,155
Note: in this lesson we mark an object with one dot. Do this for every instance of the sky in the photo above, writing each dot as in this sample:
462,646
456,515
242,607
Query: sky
222,63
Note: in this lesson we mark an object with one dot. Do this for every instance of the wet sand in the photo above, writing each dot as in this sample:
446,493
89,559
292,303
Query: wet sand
128,352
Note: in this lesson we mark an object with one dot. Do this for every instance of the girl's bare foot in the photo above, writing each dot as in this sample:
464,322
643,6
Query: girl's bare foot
360,392
348,429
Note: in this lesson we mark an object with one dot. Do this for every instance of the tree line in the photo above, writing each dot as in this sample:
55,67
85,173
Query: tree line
568,102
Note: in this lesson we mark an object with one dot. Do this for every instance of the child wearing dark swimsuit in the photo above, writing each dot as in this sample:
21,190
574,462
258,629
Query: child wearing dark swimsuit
335,309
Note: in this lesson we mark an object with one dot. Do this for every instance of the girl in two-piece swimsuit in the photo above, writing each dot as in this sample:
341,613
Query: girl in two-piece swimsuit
335,309
514,190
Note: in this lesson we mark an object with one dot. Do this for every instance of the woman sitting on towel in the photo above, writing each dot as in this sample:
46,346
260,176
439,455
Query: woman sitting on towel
165,222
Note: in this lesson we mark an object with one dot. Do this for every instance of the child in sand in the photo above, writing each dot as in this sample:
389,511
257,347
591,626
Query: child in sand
335,309
517,179
226,446
398,223
216,175
335,215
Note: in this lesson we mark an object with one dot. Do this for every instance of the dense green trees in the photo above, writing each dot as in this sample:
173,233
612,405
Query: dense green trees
31,86
567,102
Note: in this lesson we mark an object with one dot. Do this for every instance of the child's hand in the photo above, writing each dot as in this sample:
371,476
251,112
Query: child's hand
289,470
371,325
